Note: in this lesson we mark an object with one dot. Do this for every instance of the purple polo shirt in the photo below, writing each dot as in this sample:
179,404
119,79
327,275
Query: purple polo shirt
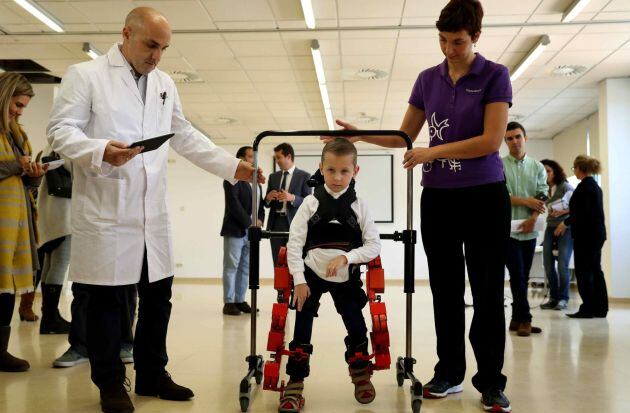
455,113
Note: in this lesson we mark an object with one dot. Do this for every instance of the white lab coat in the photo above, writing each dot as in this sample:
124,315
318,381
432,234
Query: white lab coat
116,211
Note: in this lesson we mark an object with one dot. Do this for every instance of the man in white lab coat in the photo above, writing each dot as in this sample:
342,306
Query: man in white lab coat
120,224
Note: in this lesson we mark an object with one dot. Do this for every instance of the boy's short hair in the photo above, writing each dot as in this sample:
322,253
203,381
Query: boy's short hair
286,150
340,147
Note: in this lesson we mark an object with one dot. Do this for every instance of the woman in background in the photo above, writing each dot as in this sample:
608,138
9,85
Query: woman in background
589,234
19,179
557,248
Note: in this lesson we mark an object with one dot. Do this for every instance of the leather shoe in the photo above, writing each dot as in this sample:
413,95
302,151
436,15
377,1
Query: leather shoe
114,399
526,329
514,325
163,387
231,309
580,315
244,307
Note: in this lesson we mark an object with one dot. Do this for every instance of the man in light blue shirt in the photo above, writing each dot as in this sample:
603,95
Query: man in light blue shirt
527,183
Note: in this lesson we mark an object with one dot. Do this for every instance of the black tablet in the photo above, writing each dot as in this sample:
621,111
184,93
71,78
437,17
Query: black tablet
152,143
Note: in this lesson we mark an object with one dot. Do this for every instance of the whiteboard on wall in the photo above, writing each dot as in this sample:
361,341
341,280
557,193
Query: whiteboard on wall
374,183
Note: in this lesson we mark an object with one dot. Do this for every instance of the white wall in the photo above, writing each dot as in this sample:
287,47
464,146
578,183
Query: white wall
573,142
614,150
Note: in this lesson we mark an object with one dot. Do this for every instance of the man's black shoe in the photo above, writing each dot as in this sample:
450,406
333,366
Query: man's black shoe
231,309
549,305
580,314
244,307
163,387
114,399
493,400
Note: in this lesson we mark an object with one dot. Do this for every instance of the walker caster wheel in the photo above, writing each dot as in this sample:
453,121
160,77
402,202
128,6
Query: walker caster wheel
244,404
258,377
400,379
416,405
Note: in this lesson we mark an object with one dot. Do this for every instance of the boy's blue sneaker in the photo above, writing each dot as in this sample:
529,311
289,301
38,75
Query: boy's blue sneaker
494,400
437,389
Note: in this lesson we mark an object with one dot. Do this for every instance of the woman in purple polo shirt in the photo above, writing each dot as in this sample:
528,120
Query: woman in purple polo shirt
465,207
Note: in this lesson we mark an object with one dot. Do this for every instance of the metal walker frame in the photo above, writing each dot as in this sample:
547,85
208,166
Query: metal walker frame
404,365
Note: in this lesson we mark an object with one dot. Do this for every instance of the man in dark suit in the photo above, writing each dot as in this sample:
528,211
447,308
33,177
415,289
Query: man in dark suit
286,190
236,220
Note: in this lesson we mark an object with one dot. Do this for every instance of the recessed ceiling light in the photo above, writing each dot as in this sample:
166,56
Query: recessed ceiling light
182,76
574,9
365,118
533,54
568,70
370,74
309,16
223,120
41,14
91,51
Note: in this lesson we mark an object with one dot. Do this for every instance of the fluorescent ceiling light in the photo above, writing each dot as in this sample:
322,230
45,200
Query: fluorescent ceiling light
91,51
321,79
531,57
41,14
575,9
309,16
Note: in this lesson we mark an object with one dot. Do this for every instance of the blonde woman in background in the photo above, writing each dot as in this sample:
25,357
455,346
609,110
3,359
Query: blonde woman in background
589,234
19,178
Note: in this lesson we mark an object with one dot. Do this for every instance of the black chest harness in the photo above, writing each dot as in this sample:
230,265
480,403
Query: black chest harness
345,234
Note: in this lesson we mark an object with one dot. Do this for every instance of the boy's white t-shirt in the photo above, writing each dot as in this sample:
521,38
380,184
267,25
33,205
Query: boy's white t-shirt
318,259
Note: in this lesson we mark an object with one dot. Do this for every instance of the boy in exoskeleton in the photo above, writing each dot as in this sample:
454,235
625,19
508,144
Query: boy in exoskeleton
331,234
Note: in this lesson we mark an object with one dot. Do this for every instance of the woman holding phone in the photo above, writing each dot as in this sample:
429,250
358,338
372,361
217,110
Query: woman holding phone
19,179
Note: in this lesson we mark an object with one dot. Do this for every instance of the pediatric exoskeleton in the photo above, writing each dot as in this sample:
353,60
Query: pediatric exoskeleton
378,359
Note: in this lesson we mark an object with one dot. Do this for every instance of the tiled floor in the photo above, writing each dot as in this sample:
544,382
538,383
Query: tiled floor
575,366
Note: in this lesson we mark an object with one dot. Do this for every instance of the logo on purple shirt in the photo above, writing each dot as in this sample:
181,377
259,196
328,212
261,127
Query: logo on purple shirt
435,128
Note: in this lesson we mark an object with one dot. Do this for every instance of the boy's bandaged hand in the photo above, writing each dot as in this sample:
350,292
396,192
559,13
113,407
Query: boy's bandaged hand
300,293
335,264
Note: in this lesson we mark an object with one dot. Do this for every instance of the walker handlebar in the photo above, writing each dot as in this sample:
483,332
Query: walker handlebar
334,133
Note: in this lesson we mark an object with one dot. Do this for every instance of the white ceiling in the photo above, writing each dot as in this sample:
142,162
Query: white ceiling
254,58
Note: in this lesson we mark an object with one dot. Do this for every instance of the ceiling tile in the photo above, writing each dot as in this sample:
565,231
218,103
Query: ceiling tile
112,11
262,48
597,41
238,10
357,9
271,75
265,63
182,14
223,75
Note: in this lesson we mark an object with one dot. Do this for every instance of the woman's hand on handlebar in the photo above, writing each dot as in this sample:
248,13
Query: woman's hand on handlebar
344,126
